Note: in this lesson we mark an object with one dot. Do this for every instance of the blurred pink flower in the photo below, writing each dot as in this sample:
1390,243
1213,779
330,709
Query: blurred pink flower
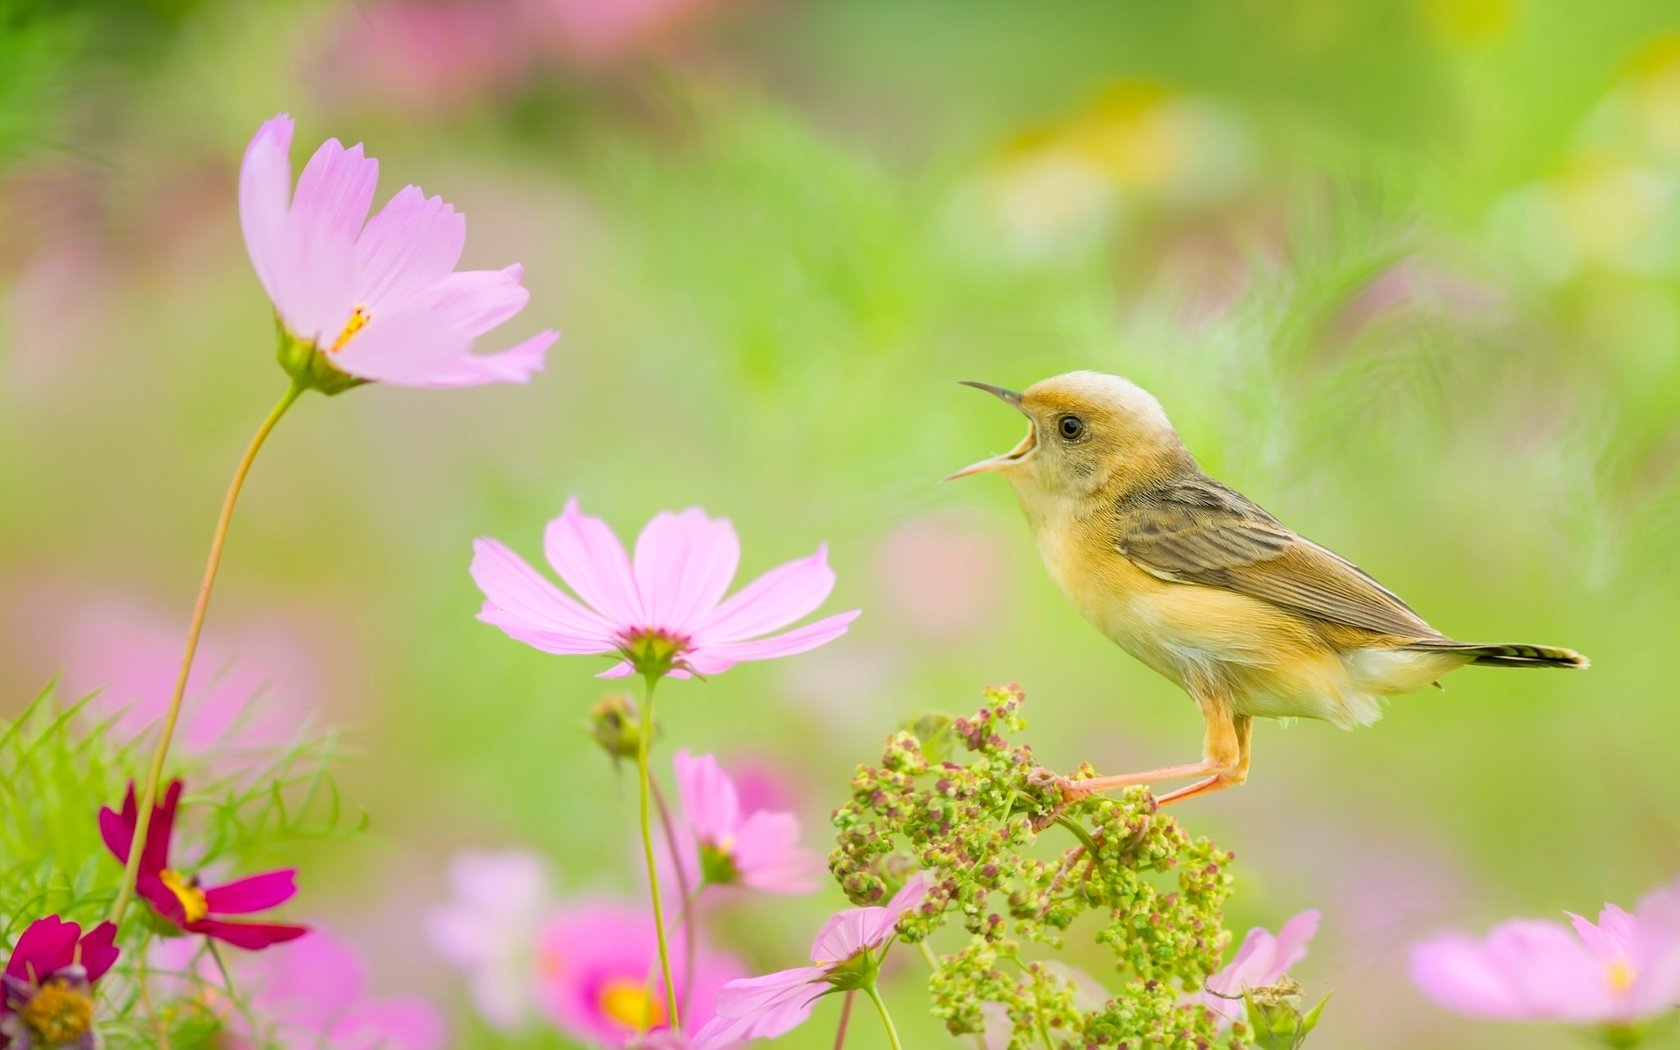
942,573
592,32
768,1006
1623,968
427,56
130,655
665,612
373,299
489,930
599,975
1262,960
315,994
178,897
762,783
735,846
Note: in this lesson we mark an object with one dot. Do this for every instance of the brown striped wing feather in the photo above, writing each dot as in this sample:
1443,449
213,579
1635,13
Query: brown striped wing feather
1198,531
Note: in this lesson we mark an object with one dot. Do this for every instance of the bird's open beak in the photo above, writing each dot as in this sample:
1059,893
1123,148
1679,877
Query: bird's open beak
1014,455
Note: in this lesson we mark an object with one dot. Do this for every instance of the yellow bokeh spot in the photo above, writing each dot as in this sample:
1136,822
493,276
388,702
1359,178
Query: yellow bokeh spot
359,317
1620,976
1469,23
186,890
631,1004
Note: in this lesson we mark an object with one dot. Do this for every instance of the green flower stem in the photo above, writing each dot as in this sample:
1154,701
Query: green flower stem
136,846
886,1018
690,897
647,849
1622,1037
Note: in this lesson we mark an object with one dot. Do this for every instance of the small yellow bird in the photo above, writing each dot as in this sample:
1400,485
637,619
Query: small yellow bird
1199,583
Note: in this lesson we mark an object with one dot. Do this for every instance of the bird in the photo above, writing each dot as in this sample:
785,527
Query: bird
1201,585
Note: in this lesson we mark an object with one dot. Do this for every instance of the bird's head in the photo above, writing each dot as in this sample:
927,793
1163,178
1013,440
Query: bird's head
1087,433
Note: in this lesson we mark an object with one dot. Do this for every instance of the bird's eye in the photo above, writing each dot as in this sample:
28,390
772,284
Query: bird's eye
1071,427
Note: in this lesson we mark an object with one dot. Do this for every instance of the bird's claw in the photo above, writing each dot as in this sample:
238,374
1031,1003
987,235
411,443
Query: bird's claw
1065,790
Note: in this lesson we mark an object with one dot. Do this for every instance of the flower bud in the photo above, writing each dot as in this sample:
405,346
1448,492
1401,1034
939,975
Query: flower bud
1274,1013
615,724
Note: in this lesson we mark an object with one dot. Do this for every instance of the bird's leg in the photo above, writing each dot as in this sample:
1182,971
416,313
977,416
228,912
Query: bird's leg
1224,758
1242,727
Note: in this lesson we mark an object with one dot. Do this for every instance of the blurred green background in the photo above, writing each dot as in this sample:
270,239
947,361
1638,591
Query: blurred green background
1406,273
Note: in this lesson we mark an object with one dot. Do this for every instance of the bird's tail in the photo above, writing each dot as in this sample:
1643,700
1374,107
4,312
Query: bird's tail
1509,654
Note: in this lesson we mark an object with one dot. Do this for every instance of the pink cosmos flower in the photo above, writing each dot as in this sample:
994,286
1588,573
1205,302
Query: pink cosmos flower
315,994
768,1006
1262,960
489,930
372,299
756,849
46,989
665,611
598,965
179,898
1622,969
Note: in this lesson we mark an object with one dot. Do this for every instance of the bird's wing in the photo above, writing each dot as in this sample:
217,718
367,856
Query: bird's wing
1195,530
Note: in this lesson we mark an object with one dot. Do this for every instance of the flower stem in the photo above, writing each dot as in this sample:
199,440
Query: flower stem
886,1018
143,822
689,898
845,1019
647,849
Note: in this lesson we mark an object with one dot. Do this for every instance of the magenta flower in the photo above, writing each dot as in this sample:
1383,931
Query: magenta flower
179,898
376,299
665,612
734,848
1262,960
46,991
598,968
1623,969
841,957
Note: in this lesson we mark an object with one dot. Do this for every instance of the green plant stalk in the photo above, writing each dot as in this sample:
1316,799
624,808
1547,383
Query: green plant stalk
886,1018
136,846
647,850
690,898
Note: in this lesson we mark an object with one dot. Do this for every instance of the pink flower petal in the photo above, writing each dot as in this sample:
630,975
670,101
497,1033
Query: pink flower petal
99,950
798,640
762,1007
775,599
684,562
475,301
855,929
336,188
252,936
767,853
517,364
412,244
527,598
265,188
591,561
405,347
253,893
46,946
708,798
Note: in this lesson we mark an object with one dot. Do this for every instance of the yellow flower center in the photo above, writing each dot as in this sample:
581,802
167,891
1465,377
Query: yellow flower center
630,1004
185,888
359,317
57,1014
1620,976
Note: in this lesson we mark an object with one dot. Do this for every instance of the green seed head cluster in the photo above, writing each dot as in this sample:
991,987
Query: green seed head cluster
1022,872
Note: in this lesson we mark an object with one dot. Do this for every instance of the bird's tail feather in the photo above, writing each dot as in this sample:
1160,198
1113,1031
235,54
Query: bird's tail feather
1509,654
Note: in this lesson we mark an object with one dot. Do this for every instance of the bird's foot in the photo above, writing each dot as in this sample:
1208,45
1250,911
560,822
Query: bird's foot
1064,790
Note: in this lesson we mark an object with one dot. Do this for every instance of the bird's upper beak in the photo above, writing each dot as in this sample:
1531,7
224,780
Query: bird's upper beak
1014,455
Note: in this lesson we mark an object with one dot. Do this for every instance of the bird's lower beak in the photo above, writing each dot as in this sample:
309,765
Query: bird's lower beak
1014,455
1003,462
